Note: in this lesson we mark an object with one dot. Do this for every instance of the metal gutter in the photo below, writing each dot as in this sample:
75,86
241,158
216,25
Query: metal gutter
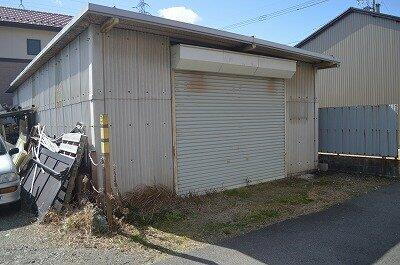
61,39
196,29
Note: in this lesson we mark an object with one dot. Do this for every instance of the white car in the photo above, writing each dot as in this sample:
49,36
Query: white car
10,190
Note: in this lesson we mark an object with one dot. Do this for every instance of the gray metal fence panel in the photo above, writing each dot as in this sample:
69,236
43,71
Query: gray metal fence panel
359,130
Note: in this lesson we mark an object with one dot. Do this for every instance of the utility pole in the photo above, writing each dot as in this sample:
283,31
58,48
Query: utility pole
105,161
374,7
142,7
21,5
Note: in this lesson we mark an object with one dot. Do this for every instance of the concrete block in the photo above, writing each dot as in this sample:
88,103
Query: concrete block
306,176
323,167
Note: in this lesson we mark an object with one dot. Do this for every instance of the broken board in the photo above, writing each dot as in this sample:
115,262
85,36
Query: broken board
48,186
73,145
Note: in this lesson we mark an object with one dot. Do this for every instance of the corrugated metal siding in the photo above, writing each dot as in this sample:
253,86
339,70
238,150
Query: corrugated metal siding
138,93
368,48
59,89
230,131
301,122
359,130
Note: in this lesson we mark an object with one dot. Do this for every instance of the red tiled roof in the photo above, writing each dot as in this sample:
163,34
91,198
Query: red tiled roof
32,18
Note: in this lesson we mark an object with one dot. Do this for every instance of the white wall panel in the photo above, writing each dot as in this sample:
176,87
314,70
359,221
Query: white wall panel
56,87
301,121
138,100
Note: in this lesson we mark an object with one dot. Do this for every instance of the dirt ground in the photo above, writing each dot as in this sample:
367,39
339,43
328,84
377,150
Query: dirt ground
170,228
216,216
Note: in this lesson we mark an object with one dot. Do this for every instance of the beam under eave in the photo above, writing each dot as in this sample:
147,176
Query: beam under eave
109,24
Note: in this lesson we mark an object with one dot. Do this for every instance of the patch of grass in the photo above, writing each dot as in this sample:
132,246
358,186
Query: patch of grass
158,221
294,199
242,193
164,217
261,216
325,182
226,228
136,238
173,216
237,224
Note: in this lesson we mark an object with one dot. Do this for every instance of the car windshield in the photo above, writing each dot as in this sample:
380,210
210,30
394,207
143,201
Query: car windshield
3,150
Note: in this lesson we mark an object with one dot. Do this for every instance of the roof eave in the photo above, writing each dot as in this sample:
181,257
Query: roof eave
324,27
29,26
195,29
125,14
341,16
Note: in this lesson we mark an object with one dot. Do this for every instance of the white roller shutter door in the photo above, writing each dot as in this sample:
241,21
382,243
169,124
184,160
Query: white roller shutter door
230,130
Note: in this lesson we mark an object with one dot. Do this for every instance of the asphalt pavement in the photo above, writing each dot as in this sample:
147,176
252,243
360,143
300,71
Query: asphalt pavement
364,230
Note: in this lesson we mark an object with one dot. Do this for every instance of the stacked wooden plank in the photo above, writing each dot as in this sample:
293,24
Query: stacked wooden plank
73,145
51,176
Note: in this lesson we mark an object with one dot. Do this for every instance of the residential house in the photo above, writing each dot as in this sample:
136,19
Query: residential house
23,34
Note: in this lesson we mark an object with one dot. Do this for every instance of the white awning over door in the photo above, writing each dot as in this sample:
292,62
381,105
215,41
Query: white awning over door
193,58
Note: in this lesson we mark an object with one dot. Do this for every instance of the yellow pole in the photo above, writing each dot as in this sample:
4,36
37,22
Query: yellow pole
105,159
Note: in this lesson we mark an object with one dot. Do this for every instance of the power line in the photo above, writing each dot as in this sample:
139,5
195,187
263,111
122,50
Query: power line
293,42
311,31
275,14
372,6
386,6
51,6
48,7
142,7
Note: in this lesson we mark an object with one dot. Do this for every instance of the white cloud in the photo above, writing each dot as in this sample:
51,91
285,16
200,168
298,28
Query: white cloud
179,13
58,2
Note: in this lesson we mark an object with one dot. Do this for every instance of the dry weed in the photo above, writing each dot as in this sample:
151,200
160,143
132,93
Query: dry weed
80,221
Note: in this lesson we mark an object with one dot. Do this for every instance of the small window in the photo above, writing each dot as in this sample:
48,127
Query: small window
33,46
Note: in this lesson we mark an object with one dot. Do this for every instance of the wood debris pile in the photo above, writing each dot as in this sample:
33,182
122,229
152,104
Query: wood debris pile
52,170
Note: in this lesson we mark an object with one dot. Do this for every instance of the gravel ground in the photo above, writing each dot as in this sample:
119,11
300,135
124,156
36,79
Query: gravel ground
22,242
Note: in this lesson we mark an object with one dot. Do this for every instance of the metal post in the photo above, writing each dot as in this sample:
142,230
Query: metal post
3,131
105,161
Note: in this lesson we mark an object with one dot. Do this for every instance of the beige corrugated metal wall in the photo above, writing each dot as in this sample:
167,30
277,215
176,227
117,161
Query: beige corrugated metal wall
301,121
230,130
138,100
137,82
60,89
368,48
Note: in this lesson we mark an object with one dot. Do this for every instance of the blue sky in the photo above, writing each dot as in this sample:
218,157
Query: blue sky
287,29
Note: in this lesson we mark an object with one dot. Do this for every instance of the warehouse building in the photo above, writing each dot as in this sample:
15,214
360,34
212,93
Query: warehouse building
367,45
191,108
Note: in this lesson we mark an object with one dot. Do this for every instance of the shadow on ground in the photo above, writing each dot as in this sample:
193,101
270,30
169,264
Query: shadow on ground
11,217
142,240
